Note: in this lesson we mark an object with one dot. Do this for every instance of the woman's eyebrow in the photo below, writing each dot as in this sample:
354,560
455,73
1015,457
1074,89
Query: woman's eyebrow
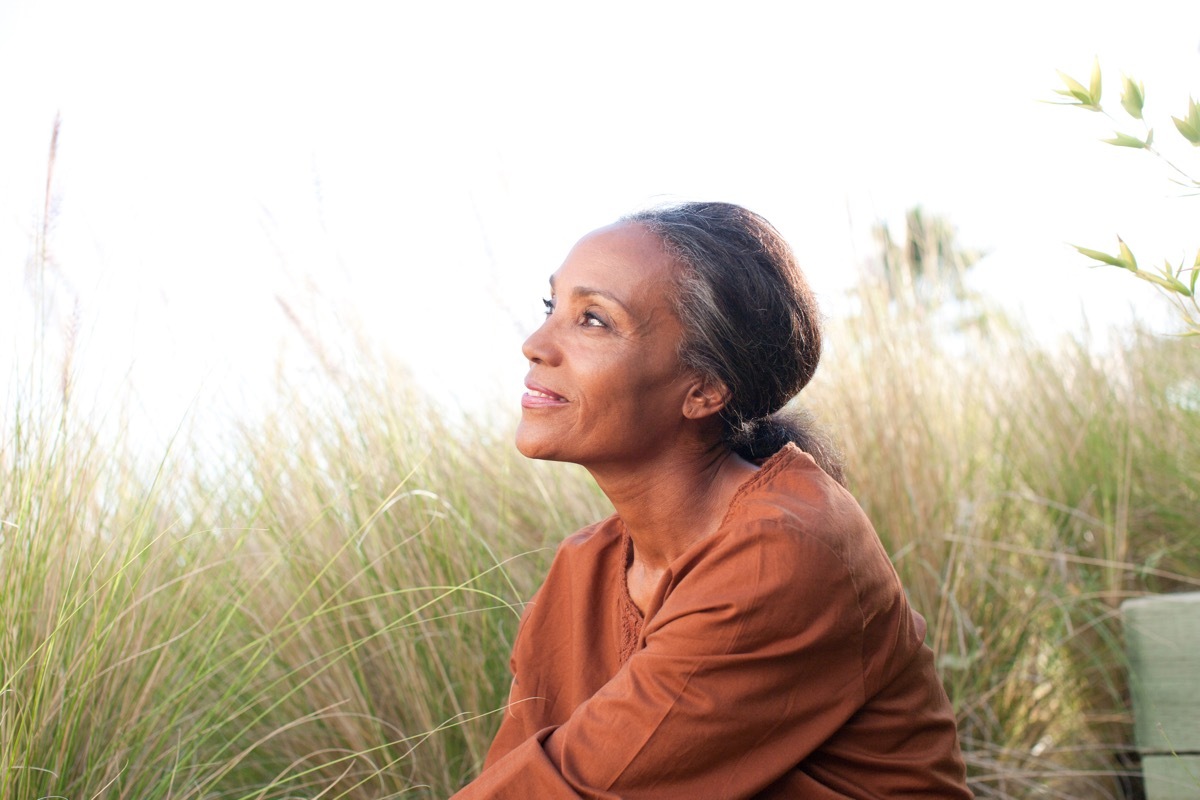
588,291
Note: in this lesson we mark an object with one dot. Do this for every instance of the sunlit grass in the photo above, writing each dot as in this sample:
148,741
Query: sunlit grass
327,611
1023,494
322,604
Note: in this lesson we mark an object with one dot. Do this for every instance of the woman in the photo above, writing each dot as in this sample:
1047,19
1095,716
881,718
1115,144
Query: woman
736,628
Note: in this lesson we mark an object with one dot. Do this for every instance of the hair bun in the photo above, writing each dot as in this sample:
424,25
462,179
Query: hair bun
749,321
761,438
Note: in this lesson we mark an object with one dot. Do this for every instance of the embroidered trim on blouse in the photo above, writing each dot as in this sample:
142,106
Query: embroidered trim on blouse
631,618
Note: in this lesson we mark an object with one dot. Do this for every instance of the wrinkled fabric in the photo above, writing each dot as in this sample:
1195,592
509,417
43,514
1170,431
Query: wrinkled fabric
778,658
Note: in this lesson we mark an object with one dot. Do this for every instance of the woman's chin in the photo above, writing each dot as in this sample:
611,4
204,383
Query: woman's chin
530,445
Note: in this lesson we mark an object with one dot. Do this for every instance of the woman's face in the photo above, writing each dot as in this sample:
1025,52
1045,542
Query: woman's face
605,384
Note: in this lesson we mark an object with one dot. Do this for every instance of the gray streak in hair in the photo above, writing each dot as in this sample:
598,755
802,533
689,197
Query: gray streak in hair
749,319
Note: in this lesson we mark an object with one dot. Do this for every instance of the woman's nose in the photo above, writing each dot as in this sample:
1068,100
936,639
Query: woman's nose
540,346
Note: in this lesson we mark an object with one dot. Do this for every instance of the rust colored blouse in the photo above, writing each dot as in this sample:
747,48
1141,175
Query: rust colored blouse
778,658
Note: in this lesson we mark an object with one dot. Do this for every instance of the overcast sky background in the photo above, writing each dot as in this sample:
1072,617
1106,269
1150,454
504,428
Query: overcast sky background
425,166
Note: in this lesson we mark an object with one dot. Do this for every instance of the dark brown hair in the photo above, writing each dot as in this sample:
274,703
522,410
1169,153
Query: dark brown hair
749,319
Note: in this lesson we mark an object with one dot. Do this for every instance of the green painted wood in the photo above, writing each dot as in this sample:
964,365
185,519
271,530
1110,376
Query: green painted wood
1171,777
1162,637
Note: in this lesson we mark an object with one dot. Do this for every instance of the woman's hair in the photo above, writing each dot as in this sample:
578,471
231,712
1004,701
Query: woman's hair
749,320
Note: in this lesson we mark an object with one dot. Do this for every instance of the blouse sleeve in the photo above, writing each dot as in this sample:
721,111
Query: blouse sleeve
755,658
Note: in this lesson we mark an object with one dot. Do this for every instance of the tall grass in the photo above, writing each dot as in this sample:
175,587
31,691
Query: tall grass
326,611
1024,493
322,603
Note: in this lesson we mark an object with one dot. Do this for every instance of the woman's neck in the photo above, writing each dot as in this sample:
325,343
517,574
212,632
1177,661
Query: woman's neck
669,505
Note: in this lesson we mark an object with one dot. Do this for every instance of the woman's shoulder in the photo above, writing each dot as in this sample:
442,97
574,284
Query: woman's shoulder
805,535
596,550
592,539
790,492
797,558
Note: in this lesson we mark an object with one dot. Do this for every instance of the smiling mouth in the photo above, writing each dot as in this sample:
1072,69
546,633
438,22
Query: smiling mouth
537,396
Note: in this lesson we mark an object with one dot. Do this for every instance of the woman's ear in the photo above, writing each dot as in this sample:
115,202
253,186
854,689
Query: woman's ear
705,398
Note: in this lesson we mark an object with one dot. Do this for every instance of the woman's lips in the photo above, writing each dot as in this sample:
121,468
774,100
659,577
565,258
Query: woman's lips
540,397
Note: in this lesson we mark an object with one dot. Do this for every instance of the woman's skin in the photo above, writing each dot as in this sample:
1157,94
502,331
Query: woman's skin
607,391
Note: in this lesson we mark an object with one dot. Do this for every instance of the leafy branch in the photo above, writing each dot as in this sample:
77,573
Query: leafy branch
1177,283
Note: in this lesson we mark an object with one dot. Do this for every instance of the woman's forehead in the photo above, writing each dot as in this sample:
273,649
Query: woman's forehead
622,253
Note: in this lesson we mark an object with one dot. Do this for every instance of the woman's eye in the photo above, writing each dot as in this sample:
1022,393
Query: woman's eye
549,304
593,321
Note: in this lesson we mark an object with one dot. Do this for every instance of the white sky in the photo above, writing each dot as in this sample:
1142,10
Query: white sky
427,165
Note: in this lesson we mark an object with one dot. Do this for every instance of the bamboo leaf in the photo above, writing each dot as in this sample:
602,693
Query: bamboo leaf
1130,262
1168,283
1100,256
1074,87
1190,127
1133,97
1189,132
1079,92
1125,140
1095,87
1172,277
1067,93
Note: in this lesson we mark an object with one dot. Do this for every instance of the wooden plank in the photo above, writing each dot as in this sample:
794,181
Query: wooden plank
1172,777
1162,637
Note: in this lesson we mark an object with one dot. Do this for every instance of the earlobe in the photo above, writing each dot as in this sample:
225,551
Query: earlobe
705,398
